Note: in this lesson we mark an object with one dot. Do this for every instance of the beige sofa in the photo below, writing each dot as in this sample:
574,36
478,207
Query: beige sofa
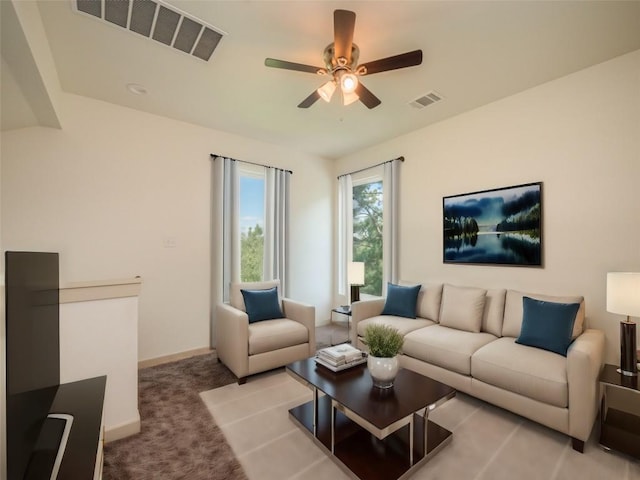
465,337
249,348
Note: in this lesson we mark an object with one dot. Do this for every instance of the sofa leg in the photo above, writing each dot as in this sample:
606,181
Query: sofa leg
242,380
578,445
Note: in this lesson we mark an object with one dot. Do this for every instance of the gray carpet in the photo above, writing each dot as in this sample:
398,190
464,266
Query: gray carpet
178,438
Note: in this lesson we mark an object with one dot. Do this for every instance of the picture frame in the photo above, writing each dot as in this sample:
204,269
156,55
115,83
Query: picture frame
501,226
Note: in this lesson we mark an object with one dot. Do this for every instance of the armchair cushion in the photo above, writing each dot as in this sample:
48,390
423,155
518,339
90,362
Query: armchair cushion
235,295
262,304
272,335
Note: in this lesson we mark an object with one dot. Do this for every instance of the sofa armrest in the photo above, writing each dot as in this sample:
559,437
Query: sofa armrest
362,310
232,339
304,314
585,359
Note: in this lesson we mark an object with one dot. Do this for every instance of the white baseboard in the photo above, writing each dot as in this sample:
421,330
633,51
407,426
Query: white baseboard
152,362
123,430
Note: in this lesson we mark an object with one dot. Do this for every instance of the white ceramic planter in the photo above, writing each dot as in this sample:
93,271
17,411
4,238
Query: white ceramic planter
383,370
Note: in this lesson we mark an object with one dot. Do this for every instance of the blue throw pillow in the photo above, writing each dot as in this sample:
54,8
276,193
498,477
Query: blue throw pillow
547,325
401,301
262,304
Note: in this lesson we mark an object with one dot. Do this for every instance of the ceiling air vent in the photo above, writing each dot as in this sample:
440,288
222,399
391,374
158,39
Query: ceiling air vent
156,20
426,100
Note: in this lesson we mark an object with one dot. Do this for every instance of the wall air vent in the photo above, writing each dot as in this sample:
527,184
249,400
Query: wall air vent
426,100
156,20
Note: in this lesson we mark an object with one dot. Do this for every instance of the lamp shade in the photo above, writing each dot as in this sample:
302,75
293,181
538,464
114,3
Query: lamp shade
349,98
326,90
623,293
355,273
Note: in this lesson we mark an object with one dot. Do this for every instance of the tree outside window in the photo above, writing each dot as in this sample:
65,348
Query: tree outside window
251,227
367,234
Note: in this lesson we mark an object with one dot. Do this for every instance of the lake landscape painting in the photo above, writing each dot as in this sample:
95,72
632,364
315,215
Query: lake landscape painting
501,226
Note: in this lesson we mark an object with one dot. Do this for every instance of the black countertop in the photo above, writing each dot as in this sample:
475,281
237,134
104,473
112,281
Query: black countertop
84,400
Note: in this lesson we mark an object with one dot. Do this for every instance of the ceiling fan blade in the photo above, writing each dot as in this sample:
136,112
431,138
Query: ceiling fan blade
403,60
366,97
344,23
298,67
310,100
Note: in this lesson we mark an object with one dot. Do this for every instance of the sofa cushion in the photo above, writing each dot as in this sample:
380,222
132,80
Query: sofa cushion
236,299
547,325
493,311
272,335
512,323
445,347
401,300
528,371
262,304
402,324
462,307
429,298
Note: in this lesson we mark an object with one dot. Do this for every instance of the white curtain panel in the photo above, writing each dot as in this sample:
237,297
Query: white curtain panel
276,232
390,227
345,232
231,239
225,241
217,229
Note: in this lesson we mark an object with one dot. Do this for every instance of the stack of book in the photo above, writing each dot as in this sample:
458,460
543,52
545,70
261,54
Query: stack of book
340,357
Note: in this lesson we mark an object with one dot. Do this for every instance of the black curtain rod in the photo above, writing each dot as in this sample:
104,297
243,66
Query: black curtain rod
372,166
214,155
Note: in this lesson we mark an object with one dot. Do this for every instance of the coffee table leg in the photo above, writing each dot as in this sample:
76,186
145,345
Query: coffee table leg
315,412
333,426
411,441
425,420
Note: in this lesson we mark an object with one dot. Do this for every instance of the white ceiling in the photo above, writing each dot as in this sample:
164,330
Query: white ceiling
474,53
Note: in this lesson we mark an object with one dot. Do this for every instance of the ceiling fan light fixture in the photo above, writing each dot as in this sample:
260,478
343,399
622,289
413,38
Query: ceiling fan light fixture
348,82
341,63
326,91
349,98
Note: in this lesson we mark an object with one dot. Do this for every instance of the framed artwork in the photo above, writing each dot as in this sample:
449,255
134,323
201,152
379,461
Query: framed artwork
502,226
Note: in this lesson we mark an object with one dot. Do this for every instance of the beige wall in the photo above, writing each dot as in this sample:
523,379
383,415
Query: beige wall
580,136
114,183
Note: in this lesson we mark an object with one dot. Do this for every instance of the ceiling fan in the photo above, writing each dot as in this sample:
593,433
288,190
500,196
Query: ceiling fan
341,65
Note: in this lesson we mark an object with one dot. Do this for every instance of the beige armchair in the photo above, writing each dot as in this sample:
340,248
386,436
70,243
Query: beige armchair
249,348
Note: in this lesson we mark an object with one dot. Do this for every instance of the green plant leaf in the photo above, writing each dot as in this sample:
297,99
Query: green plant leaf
383,341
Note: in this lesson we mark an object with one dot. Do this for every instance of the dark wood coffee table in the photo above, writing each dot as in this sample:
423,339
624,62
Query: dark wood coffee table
370,432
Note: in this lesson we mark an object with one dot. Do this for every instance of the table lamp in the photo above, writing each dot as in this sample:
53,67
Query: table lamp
623,297
355,276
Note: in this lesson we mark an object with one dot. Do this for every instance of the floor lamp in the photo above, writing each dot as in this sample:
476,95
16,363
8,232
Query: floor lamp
355,276
623,297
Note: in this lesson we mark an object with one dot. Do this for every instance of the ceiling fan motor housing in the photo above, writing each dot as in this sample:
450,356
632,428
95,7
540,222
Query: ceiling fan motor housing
333,64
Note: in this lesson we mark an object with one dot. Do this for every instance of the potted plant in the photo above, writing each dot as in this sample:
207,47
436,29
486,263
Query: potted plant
384,343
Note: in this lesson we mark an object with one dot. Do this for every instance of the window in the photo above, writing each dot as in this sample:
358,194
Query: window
368,230
252,208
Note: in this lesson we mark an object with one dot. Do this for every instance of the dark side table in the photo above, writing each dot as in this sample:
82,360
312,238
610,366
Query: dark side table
620,412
